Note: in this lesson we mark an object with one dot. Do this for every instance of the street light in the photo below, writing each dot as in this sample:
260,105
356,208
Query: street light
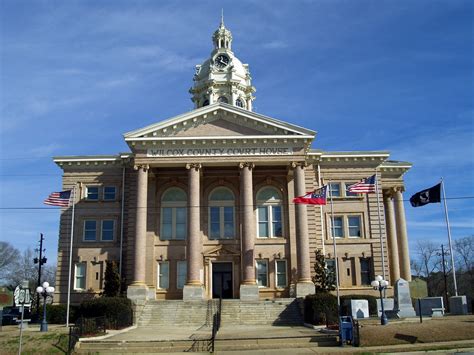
380,284
45,291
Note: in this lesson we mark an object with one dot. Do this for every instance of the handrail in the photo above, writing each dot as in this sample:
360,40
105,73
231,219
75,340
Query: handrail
216,324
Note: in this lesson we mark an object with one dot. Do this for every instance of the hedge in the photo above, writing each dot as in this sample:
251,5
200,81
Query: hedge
56,313
372,303
320,308
117,310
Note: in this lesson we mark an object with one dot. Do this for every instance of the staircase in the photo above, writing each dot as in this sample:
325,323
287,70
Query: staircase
176,313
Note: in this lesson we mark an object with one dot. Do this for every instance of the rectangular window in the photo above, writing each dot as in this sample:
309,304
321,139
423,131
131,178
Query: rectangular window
90,230
180,217
365,271
163,275
228,222
80,276
92,193
262,273
181,274
280,268
353,223
335,189
107,230
338,230
263,231
215,222
350,194
109,193
276,221
166,223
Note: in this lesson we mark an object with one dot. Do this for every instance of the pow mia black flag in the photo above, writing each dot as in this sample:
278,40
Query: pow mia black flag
431,195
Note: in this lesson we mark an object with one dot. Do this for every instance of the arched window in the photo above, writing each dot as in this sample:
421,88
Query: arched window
173,214
269,213
240,103
205,103
221,214
223,99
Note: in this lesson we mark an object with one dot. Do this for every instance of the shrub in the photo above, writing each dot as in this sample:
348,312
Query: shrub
320,308
111,280
117,310
372,303
56,313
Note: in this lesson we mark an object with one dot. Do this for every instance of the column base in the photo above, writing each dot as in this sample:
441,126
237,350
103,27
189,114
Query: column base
138,294
304,288
249,293
193,293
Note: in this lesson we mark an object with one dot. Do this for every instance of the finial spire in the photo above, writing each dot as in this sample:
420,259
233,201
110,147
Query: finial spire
222,17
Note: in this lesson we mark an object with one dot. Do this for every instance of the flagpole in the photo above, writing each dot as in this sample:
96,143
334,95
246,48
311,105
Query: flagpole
380,226
70,256
449,238
320,184
334,250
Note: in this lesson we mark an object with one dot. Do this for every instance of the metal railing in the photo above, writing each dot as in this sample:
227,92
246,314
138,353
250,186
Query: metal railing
85,327
216,324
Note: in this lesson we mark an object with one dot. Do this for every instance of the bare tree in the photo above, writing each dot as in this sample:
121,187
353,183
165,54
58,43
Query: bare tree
9,256
464,248
428,257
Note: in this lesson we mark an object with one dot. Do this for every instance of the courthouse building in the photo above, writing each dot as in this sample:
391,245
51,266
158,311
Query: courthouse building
201,206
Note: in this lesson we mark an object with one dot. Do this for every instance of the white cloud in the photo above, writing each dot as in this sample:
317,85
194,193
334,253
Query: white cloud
275,45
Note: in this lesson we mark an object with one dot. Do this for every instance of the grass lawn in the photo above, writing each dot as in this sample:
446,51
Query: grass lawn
447,328
34,342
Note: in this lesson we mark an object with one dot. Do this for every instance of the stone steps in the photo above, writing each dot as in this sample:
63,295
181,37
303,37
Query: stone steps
129,347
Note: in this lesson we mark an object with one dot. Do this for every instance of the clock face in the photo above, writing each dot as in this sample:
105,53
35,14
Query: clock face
221,61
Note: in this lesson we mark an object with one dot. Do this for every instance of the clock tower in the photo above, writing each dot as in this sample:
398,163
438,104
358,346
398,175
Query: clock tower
222,77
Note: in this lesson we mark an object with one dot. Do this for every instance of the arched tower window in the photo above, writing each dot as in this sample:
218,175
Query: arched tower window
221,214
205,103
239,102
223,99
269,213
173,214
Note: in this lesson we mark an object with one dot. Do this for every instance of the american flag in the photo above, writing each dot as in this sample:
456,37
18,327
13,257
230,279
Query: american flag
316,197
61,199
366,186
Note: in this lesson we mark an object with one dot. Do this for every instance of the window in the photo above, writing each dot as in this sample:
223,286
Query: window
350,194
223,99
346,226
173,214
107,230
335,189
262,273
90,230
163,275
353,223
338,230
280,268
239,103
365,271
92,193
109,193
181,274
206,103
269,213
221,214
80,276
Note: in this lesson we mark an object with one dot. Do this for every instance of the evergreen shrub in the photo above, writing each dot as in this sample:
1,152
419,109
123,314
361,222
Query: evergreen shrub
56,313
320,308
117,310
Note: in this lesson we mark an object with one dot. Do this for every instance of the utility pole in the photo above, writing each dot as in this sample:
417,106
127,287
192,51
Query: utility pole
40,261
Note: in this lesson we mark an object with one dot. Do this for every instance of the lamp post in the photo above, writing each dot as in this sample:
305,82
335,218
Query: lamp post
45,291
380,284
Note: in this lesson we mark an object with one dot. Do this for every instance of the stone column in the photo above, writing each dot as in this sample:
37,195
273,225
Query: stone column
248,287
193,290
405,271
138,290
392,237
304,285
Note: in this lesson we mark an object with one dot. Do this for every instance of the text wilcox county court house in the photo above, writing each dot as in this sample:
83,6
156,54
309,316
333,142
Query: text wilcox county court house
201,206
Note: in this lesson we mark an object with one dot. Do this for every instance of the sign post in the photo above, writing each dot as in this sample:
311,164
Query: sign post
22,299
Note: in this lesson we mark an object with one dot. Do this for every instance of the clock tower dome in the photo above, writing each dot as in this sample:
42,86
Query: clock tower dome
222,77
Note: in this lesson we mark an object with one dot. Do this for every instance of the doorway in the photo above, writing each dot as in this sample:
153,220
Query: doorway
222,283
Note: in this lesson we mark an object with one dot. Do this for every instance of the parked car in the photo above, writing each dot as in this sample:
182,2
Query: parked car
12,315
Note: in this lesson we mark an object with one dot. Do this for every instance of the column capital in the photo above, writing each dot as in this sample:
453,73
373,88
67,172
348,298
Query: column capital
295,164
195,166
246,165
400,189
144,167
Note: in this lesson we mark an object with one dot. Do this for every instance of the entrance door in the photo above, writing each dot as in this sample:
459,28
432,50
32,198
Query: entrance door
222,280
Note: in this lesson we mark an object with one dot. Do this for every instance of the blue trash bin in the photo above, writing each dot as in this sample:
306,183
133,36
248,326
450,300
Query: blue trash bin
346,330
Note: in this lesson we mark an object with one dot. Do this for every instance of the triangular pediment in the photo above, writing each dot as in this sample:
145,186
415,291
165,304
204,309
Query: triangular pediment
221,250
218,121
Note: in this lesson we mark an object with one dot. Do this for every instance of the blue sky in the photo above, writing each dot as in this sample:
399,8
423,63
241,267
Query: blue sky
367,75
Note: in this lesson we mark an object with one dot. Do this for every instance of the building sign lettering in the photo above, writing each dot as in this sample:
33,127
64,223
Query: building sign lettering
188,152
